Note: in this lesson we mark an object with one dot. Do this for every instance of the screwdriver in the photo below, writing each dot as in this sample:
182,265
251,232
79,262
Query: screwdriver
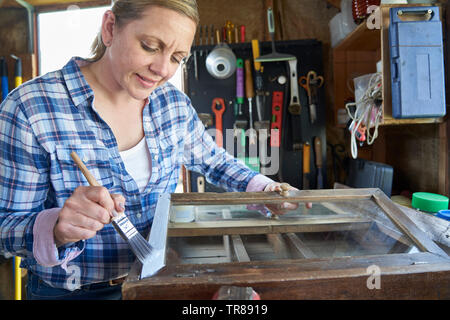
249,92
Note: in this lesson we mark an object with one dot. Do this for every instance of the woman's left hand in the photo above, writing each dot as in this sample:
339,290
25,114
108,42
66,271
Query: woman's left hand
282,208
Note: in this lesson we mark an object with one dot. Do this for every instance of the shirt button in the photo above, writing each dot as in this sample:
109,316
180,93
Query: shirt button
155,157
139,215
85,159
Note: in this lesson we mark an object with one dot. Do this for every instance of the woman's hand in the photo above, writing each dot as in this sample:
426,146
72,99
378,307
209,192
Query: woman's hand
86,211
284,207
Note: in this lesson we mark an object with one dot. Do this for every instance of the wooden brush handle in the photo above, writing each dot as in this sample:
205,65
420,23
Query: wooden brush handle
90,178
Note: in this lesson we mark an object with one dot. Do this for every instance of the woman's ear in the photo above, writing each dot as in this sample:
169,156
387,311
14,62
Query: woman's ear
108,24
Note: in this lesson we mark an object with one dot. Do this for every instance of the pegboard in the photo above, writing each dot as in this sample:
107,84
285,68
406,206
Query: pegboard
202,88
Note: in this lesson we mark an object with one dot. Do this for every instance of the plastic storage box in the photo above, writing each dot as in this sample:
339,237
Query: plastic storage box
417,62
369,174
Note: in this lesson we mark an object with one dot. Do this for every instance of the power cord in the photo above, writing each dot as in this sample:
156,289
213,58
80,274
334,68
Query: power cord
367,115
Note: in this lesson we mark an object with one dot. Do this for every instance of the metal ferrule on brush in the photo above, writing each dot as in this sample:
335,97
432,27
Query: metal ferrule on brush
124,226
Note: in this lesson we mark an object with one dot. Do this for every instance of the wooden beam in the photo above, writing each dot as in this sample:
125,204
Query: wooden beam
333,278
403,222
253,226
279,245
239,248
300,246
230,198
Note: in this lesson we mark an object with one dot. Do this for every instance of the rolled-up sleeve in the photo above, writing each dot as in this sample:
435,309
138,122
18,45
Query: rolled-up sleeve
24,183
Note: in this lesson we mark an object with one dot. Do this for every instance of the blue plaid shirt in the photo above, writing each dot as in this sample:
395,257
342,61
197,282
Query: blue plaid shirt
47,118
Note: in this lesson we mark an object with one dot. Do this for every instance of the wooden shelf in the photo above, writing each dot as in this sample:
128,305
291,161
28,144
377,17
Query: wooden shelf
357,55
360,39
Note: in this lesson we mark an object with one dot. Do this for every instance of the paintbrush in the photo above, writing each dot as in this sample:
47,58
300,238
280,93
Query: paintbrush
120,222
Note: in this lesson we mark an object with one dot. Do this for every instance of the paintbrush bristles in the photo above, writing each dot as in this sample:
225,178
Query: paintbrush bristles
124,227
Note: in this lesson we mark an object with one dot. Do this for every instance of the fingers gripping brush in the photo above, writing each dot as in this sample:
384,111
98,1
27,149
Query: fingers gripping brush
120,222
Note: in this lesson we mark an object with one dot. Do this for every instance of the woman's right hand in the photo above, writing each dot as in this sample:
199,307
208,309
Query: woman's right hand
84,213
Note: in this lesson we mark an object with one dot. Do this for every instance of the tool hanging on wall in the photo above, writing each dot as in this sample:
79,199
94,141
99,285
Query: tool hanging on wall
218,107
311,83
4,77
200,38
274,56
200,184
242,29
250,93
277,118
240,122
221,61
318,152
295,107
206,119
306,165
229,26
194,56
259,82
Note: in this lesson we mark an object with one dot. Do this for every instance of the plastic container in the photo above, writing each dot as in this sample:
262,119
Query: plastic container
348,24
417,62
336,29
444,214
429,202
369,174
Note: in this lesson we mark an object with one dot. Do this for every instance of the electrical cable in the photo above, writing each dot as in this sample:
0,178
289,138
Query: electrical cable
368,107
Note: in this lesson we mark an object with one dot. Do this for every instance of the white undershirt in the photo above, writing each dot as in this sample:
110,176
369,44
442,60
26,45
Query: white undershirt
138,163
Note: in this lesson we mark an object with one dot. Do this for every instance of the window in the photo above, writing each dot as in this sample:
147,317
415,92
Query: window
68,33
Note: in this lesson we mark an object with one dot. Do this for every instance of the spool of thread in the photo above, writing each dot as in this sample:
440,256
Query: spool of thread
429,202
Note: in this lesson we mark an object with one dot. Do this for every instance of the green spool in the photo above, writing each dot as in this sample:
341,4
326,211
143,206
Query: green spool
429,202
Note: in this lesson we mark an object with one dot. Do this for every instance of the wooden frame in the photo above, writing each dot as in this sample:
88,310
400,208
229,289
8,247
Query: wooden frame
308,277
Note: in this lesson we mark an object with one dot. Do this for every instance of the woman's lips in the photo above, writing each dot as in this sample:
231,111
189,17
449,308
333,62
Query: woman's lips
147,83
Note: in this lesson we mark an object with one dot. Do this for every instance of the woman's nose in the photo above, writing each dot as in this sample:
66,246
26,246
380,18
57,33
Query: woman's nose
160,65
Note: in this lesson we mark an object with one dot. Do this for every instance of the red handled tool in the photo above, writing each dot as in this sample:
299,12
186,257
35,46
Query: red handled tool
218,107
275,125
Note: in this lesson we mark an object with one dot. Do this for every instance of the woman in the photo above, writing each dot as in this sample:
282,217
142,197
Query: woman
132,129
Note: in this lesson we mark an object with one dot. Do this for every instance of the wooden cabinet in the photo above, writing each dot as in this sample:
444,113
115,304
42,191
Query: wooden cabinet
357,55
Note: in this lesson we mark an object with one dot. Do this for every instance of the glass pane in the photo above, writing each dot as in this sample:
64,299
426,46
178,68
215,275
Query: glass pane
228,233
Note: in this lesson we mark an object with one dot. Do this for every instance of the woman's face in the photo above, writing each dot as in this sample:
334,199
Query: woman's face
145,53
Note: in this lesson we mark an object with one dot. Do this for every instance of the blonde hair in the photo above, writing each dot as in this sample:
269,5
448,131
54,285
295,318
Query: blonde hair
128,10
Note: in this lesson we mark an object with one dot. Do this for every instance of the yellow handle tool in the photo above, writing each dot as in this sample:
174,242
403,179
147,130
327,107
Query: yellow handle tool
17,269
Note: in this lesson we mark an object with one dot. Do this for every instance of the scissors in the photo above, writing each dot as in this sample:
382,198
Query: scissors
311,82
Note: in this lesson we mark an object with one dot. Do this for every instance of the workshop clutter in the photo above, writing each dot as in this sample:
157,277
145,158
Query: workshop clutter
262,101
416,45
366,113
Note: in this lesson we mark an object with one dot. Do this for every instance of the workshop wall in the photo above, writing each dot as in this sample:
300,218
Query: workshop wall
14,40
294,20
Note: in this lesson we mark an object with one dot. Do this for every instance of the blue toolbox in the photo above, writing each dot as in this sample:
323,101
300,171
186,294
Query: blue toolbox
417,62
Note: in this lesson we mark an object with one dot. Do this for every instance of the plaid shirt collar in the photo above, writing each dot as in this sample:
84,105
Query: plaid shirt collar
79,89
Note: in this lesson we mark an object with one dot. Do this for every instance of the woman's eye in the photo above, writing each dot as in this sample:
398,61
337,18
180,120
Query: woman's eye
147,48
179,60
